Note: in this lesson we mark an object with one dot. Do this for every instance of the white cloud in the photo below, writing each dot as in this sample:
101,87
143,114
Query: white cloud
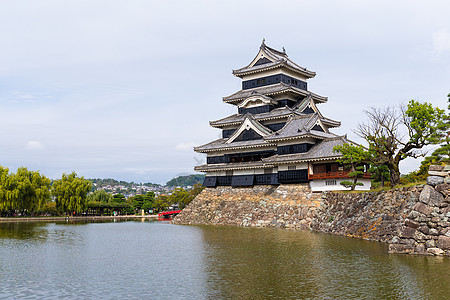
441,41
34,145
185,146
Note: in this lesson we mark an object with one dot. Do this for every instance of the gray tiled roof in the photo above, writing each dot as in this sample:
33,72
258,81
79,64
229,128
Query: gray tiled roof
321,150
220,144
271,90
298,126
279,59
330,122
238,118
232,166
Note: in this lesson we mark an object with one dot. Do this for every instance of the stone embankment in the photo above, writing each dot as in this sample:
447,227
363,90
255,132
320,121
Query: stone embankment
411,219
290,205
427,225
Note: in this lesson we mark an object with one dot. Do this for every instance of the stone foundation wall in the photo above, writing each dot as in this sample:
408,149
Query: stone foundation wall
290,205
411,219
372,215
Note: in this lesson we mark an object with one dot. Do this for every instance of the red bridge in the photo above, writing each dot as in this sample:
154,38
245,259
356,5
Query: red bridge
167,215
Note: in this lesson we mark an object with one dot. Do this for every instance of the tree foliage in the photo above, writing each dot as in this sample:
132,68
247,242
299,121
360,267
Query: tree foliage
70,193
118,198
442,153
379,173
25,190
100,196
421,122
353,156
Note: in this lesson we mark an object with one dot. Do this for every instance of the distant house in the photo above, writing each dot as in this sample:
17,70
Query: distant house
278,135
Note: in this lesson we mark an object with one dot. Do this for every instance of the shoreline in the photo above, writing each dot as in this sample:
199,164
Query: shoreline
77,218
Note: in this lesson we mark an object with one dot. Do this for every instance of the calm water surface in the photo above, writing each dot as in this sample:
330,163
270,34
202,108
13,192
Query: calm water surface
150,260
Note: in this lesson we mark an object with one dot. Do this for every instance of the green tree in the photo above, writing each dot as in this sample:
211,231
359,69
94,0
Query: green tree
118,198
26,190
179,196
161,203
352,156
150,196
147,206
137,201
32,188
441,154
8,196
100,196
70,193
421,121
379,173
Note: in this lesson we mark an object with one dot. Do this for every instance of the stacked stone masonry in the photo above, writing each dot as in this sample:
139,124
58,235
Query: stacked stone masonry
412,220
290,205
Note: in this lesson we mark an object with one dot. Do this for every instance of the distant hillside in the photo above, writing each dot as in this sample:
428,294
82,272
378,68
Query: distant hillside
186,180
113,182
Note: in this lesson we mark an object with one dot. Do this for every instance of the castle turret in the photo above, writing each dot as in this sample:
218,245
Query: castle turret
278,134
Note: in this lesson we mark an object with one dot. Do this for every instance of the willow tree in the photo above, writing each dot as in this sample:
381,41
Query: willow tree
395,134
32,189
7,195
70,193
26,190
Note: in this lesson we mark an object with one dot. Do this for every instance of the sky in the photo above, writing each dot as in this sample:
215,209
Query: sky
126,89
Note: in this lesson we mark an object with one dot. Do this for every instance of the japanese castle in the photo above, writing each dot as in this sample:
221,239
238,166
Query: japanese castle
278,135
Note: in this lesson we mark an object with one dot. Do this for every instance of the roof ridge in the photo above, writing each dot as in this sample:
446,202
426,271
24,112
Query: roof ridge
276,51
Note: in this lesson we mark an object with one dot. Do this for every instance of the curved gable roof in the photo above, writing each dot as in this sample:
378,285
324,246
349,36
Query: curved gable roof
269,58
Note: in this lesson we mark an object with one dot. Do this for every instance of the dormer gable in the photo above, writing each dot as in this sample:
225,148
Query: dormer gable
257,100
262,58
269,59
250,124
307,106
318,126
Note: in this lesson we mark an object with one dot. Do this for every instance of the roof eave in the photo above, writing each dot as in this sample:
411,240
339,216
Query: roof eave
288,88
224,167
243,72
234,148
325,158
294,138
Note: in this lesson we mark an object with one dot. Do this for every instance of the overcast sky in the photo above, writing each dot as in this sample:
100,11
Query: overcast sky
125,89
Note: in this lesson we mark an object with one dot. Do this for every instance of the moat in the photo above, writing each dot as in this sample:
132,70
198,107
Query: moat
148,259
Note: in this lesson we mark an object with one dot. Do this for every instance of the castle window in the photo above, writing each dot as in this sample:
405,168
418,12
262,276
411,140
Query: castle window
267,171
228,173
291,168
330,182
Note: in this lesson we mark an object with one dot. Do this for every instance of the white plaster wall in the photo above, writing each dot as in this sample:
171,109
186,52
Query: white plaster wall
299,166
243,172
318,185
